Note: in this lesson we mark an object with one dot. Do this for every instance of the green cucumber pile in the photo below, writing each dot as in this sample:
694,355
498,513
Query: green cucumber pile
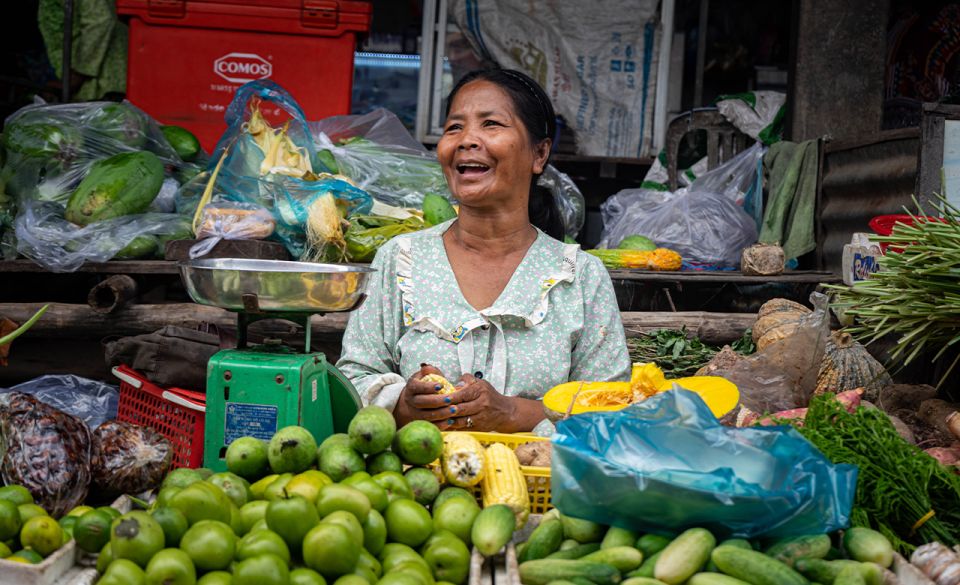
564,550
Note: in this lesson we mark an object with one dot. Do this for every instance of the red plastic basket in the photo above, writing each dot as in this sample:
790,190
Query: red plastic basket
175,413
883,225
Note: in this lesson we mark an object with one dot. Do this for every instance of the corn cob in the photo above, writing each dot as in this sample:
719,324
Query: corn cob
462,459
447,387
503,482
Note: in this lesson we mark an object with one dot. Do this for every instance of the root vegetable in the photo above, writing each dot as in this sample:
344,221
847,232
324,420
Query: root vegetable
535,454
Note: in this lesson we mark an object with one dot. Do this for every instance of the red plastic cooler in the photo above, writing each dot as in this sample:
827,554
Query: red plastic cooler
188,57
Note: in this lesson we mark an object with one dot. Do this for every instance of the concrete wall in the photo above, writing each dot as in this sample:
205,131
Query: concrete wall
837,82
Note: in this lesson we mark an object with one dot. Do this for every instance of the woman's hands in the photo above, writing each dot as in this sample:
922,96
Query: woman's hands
475,406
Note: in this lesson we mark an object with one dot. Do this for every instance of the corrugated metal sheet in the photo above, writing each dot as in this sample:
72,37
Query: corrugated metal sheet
862,180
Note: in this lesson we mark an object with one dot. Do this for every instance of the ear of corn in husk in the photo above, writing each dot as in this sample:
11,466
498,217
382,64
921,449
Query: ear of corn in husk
324,229
280,154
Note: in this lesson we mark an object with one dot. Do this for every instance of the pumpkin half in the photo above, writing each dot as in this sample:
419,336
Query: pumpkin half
720,394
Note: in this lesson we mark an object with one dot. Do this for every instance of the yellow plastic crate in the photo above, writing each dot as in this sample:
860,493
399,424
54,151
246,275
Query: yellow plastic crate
538,478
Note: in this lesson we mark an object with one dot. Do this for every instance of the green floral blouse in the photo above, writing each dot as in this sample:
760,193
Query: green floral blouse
557,320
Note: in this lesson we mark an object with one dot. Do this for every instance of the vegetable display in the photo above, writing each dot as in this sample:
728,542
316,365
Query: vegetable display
902,492
916,296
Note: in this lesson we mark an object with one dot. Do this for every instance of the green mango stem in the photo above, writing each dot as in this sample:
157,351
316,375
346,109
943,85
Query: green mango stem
23,328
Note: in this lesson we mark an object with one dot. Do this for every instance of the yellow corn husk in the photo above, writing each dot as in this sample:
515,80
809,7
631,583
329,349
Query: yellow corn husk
280,154
665,259
463,459
447,387
325,242
503,482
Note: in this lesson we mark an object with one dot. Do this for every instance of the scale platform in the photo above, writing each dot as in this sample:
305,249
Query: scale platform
256,390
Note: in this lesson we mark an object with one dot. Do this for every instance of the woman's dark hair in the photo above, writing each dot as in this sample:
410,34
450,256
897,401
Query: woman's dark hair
536,113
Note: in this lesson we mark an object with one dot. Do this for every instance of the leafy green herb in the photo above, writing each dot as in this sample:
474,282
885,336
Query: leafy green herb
898,484
677,354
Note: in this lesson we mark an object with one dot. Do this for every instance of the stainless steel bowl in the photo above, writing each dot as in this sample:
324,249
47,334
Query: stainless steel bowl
279,286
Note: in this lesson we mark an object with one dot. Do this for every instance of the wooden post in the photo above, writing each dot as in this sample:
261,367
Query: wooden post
112,294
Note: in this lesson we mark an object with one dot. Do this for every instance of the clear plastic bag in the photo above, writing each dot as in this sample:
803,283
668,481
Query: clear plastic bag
368,232
568,197
783,375
50,148
666,464
91,401
705,223
376,152
46,451
287,193
128,458
44,236
231,221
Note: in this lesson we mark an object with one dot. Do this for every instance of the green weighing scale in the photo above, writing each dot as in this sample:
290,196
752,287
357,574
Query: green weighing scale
256,390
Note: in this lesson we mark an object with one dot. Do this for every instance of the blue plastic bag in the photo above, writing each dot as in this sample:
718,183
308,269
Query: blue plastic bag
666,464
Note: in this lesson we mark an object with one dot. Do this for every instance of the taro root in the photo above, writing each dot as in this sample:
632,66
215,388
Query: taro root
47,452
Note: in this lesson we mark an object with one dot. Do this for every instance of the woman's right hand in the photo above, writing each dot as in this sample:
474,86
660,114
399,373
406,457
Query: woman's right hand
429,406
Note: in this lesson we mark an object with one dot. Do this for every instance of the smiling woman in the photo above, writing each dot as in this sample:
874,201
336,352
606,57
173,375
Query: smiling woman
490,299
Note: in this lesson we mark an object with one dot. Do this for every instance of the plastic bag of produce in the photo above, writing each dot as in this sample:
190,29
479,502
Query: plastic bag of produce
229,220
666,464
368,232
127,458
377,153
50,148
706,223
783,375
91,401
44,236
46,451
568,197
267,158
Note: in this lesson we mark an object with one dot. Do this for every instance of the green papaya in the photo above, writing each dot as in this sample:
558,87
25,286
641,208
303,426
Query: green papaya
139,247
31,137
184,143
121,122
123,184
437,209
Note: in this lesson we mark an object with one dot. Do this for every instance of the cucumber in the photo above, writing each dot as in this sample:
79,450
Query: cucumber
542,571
651,544
576,552
581,581
139,247
683,557
872,573
582,531
788,550
437,209
737,542
646,569
551,513
821,570
624,558
867,545
641,581
617,536
492,529
850,576
544,540
568,544
184,143
123,184
714,579
754,567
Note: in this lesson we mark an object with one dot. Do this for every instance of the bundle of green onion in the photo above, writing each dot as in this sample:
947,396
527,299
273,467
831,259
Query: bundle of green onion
916,294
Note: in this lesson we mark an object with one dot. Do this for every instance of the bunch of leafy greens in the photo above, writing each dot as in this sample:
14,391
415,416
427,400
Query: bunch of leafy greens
902,492
676,353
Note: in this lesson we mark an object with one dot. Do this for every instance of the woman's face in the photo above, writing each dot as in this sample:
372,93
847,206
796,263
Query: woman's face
485,151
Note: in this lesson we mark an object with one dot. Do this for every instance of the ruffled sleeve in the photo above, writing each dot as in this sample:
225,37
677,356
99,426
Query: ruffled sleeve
600,353
369,357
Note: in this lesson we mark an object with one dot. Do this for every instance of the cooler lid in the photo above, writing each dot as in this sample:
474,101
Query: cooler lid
311,15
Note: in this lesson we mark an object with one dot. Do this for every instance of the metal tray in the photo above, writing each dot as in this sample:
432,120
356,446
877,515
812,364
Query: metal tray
274,285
